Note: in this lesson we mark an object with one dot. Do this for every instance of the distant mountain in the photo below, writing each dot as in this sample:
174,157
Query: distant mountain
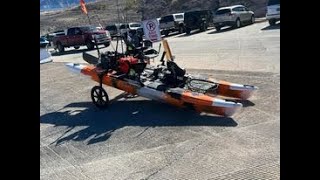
59,4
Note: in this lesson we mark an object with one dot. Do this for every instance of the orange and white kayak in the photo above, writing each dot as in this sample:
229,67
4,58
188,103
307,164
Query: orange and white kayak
180,97
229,89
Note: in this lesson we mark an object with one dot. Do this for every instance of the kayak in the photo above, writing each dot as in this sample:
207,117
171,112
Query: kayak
178,96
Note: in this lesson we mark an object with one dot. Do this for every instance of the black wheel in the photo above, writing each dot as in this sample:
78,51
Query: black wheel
188,30
166,33
218,28
252,19
272,22
237,23
181,29
99,97
60,48
90,45
76,47
203,27
106,44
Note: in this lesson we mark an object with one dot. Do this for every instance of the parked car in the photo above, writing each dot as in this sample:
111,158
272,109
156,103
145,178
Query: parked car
113,29
273,11
172,23
234,16
79,36
197,20
134,26
126,27
43,42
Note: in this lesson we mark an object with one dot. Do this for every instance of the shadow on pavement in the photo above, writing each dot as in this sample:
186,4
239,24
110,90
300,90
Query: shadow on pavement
73,51
100,124
193,32
276,26
224,29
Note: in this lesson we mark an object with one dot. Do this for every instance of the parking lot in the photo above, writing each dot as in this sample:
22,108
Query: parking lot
136,138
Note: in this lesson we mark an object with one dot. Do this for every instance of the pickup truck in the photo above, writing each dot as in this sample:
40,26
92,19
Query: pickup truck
172,23
80,36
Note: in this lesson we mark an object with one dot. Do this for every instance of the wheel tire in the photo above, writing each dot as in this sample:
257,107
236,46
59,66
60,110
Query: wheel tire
99,97
272,22
188,30
60,48
107,44
238,23
76,47
204,27
166,33
218,28
252,19
181,29
90,45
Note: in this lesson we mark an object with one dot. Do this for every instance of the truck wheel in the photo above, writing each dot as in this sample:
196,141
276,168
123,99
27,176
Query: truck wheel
90,45
107,44
203,27
188,30
252,19
237,23
76,47
60,48
181,29
166,33
272,22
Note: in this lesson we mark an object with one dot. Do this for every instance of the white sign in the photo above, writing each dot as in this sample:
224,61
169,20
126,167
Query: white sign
151,30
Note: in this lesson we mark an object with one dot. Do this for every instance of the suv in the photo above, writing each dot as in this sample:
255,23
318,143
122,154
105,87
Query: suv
273,11
197,20
113,29
235,16
172,23
134,26
126,27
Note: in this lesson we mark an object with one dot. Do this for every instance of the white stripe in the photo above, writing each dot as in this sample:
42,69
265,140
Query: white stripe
227,104
234,86
151,94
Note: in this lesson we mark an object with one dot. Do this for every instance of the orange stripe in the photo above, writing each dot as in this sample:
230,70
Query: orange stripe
224,89
195,98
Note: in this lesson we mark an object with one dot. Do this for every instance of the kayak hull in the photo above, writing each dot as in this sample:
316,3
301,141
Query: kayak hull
179,97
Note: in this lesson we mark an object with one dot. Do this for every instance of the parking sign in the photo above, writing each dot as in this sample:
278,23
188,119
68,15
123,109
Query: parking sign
151,30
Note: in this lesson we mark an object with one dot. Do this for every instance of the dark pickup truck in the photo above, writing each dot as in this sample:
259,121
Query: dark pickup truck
82,36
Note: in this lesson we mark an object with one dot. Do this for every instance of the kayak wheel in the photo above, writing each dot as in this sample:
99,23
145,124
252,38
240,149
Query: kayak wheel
99,97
